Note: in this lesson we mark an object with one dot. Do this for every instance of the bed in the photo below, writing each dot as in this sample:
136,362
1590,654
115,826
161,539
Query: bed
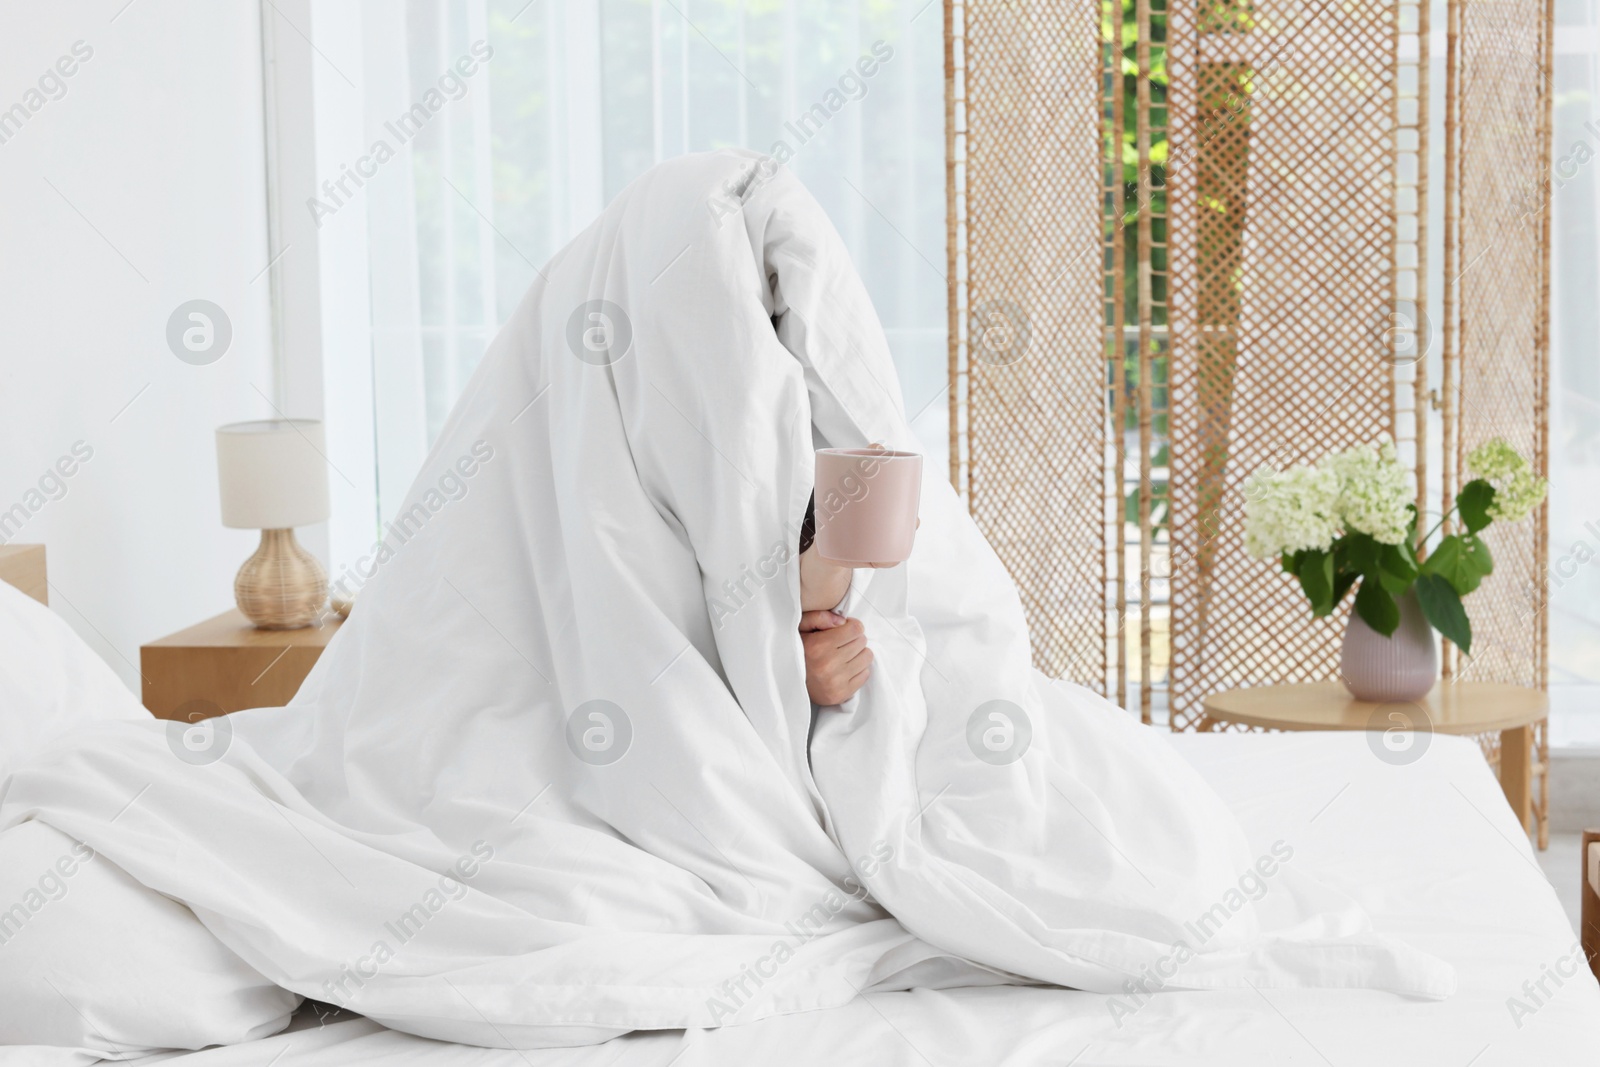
1002,824
1430,849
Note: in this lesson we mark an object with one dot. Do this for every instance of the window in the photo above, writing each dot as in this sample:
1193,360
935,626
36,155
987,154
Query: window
1574,555
565,104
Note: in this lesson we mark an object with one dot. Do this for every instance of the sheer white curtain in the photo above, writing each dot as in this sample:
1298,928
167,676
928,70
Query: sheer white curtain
1575,389
513,123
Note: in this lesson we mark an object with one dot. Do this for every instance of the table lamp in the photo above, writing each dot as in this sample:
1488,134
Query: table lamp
273,478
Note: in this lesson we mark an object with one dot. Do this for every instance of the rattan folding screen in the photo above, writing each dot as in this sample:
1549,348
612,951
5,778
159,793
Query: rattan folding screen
1032,428
1254,175
1496,343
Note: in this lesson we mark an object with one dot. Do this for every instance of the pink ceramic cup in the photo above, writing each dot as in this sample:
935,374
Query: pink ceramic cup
866,505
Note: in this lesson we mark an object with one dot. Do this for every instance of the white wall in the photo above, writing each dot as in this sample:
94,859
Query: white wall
140,188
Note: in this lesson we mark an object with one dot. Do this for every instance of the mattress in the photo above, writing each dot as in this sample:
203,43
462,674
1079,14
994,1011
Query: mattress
1430,849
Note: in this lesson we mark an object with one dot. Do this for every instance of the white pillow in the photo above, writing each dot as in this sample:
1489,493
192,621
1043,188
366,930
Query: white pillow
50,680
92,960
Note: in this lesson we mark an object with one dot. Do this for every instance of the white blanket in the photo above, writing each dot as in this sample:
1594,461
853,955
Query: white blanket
552,780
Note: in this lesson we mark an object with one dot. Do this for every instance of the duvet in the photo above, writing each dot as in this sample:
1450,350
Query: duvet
558,777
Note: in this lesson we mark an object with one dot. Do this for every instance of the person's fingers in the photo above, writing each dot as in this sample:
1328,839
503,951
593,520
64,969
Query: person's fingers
853,631
829,660
839,681
844,683
829,656
838,660
858,680
811,621
858,662
827,652
849,646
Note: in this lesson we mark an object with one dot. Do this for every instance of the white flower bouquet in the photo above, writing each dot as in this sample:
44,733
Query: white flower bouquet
1350,519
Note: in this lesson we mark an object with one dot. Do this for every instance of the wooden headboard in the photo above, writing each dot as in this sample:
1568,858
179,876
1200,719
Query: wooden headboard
23,567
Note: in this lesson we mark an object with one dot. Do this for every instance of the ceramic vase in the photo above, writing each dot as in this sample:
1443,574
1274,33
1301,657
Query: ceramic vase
1401,667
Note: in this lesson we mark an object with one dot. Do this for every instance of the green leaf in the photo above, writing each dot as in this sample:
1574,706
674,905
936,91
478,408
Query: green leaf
1357,553
1377,608
1397,568
1462,560
1473,504
1342,581
1315,571
1480,550
1442,605
1445,561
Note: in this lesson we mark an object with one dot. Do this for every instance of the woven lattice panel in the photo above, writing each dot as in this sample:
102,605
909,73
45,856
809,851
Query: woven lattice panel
1113,262
1032,425
1500,92
1282,217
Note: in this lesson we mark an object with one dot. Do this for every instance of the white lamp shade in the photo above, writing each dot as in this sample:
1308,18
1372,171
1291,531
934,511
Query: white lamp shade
272,473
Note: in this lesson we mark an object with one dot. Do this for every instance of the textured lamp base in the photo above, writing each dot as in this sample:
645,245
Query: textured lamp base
282,586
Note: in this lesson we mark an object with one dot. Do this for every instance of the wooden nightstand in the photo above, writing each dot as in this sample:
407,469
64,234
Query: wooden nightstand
225,664
23,567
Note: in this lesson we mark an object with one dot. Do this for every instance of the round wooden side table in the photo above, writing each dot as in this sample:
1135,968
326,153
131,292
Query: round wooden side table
1471,708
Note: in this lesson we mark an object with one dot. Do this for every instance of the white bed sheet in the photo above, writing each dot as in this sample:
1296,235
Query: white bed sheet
1431,850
